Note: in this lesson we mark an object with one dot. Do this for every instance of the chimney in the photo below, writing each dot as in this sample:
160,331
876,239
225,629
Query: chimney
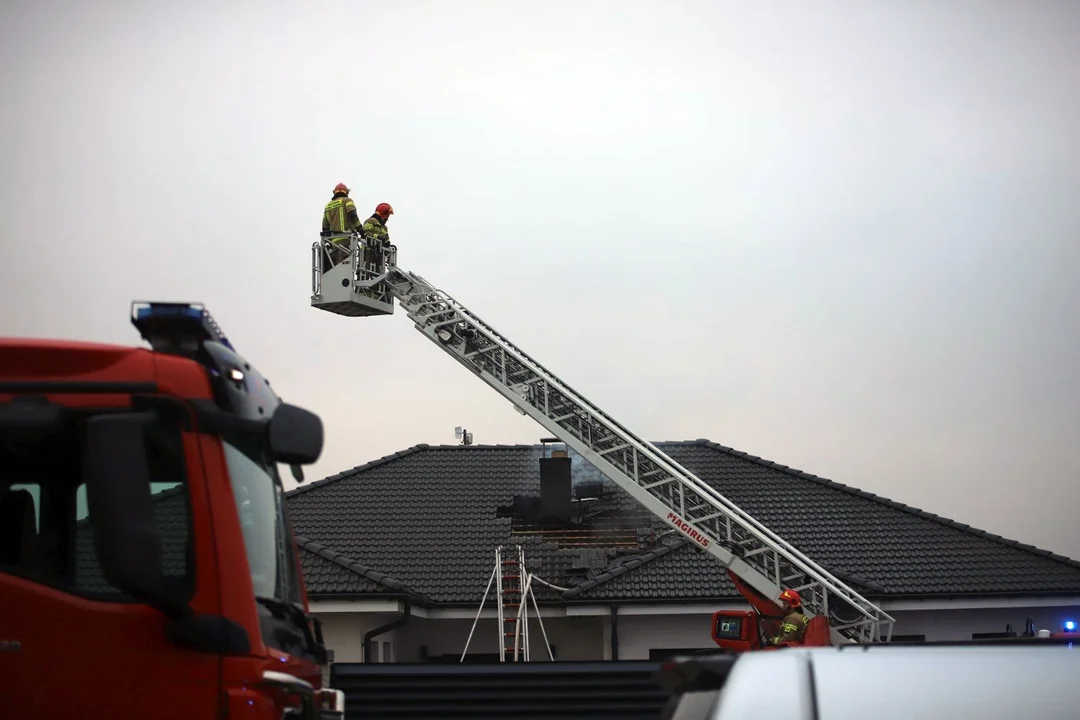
555,487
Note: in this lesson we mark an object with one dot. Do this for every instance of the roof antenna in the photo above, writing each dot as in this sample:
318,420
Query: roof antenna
463,435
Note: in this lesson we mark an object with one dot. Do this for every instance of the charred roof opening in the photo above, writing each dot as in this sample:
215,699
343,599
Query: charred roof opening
575,507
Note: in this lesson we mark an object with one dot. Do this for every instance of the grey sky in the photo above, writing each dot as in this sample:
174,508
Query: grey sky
843,235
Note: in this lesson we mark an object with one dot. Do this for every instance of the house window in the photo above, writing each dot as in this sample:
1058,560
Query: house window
386,654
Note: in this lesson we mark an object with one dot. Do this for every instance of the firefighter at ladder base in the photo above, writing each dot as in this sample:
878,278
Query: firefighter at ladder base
338,222
376,236
793,626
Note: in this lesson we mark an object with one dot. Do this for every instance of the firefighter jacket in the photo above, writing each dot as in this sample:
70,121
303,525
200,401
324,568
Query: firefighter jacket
375,232
340,216
792,628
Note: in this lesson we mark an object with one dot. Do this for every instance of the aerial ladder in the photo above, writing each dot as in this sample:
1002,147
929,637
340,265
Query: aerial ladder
368,283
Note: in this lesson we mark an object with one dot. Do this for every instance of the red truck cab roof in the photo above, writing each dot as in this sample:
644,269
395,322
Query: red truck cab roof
56,365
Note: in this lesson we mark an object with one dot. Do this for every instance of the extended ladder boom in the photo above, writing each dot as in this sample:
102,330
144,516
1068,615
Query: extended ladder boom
762,559
754,553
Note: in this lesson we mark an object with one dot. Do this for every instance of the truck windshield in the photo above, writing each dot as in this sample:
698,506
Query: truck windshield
260,504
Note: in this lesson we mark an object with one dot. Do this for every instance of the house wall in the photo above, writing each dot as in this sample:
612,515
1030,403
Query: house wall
640,633
574,638
961,624
588,637
344,632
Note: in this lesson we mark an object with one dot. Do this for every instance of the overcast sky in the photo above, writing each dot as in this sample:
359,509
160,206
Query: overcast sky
844,236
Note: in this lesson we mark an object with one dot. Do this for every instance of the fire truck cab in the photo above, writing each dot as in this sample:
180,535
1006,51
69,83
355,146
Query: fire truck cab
742,630
147,565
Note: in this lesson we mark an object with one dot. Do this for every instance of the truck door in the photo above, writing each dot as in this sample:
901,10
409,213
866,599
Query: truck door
71,645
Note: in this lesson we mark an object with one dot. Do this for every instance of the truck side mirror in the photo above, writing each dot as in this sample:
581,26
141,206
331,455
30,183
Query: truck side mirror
296,435
120,503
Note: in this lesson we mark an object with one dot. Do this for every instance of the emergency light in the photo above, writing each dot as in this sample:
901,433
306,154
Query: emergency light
176,328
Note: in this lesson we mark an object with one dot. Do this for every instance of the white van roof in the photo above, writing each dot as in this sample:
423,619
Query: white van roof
883,682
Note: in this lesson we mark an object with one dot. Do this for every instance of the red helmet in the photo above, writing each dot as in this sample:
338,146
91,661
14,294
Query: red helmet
341,188
384,210
790,598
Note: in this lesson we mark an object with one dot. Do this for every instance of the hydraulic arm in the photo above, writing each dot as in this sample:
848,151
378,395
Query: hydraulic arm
763,560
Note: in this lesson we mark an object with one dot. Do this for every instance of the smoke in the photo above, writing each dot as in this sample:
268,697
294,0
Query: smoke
596,493
583,472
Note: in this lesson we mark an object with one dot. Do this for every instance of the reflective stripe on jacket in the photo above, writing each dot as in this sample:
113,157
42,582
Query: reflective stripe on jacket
375,231
792,628
339,216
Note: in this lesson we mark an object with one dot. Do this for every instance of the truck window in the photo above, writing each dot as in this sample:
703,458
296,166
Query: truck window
46,533
259,500
257,490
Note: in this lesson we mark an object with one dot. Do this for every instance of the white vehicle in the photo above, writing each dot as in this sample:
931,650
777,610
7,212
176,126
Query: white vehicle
978,681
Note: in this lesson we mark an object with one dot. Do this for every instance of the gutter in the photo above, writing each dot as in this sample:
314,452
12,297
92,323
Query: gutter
382,629
614,631
421,602
403,597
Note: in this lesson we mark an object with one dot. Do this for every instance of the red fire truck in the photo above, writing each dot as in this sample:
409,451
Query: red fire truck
147,566
742,630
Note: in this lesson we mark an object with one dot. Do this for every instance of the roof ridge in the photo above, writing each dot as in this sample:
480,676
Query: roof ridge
359,468
351,565
624,564
947,522
483,446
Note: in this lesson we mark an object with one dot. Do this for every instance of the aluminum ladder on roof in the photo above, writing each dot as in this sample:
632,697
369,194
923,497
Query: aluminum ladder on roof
763,560
513,590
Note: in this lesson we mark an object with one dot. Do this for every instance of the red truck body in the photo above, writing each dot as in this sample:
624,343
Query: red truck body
739,631
744,630
147,568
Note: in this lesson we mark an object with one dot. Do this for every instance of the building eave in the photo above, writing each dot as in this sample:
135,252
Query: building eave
383,603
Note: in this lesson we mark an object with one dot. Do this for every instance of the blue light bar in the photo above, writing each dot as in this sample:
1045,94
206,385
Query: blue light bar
1069,626
179,328
159,310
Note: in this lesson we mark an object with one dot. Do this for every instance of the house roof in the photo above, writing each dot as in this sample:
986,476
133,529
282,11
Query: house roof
428,517
336,574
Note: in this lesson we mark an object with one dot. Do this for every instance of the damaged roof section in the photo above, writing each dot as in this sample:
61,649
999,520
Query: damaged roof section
575,510
432,516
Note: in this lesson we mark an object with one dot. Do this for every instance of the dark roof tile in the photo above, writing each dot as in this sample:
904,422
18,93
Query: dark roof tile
427,517
331,573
